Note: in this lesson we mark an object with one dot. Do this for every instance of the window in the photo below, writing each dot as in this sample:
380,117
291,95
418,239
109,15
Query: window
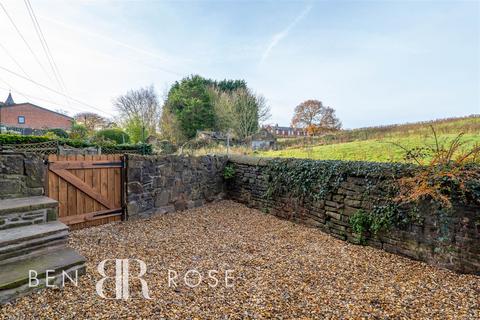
21,119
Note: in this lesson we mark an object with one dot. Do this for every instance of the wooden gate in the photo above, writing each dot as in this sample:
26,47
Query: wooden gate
89,188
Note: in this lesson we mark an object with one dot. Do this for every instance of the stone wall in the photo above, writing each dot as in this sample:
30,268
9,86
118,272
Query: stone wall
21,175
456,248
161,184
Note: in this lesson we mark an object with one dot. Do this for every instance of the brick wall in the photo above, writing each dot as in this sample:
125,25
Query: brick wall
161,184
21,175
35,117
424,241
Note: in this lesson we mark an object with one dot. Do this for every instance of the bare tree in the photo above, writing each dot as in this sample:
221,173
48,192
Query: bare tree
140,104
239,110
91,121
329,120
316,118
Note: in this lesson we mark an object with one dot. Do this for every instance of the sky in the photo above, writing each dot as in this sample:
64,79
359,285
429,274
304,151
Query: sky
374,62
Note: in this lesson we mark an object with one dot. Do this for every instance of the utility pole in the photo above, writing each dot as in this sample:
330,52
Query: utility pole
228,142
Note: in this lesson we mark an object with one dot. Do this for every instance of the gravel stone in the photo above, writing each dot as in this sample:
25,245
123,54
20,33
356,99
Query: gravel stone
280,270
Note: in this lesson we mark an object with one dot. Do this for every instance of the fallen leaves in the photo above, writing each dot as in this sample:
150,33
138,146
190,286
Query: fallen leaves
281,270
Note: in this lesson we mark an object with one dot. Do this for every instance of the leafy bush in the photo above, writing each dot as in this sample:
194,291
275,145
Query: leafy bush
114,134
78,132
136,130
76,143
228,172
381,218
19,139
451,173
142,148
58,132
166,147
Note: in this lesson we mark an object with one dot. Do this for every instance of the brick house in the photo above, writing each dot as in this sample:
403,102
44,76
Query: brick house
28,115
285,131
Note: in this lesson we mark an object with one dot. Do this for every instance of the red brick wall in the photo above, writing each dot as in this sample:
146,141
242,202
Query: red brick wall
35,117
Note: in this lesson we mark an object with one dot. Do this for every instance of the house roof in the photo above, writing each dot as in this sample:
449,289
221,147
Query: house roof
263,134
10,103
9,100
276,127
34,105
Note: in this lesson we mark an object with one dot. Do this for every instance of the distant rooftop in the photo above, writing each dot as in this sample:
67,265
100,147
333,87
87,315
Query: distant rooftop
9,101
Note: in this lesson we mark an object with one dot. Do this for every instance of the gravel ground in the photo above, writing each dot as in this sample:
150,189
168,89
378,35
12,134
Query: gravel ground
280,270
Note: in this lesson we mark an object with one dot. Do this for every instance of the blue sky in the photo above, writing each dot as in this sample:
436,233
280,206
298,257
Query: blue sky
375,62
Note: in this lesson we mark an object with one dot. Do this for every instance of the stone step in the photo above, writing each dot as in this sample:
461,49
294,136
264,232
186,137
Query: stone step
21,212
22,242
14,277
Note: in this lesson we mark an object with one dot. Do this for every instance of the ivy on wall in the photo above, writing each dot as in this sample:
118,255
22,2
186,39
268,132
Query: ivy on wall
393,204
311,179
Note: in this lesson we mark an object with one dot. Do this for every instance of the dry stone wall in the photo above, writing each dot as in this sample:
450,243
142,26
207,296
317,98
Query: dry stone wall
161,184
451,241
21,175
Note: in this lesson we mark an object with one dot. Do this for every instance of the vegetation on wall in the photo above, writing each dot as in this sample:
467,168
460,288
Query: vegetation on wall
229,172
403,187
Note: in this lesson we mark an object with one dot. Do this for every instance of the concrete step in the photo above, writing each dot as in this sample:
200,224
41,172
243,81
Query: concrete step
22,242
21,212
14,277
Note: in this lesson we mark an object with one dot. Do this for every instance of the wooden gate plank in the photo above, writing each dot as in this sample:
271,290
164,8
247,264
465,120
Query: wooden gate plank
80,195
72,193
89,181
87,187
76,182
62,194
81,164
104,181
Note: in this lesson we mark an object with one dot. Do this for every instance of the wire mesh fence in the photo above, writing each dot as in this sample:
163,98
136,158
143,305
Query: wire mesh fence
49,147
54,147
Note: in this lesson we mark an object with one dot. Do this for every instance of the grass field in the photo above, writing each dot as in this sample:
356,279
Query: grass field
467,125
379,150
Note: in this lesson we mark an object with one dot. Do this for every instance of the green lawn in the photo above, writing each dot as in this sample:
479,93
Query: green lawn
368,150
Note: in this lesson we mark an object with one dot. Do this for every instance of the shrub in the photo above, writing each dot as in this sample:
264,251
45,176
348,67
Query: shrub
58,132
19,139
142,148
78,132
76,143
228,172
166,147
113,134
136,129
451,173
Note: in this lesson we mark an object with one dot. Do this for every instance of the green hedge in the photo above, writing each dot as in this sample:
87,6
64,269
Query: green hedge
114,134
141,148
20,139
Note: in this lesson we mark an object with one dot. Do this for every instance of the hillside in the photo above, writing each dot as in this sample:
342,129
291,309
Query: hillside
378,143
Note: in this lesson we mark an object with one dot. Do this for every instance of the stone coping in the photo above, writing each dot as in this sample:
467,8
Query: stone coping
26,204
250,160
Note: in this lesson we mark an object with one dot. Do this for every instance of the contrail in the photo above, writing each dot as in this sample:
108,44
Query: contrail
282,34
